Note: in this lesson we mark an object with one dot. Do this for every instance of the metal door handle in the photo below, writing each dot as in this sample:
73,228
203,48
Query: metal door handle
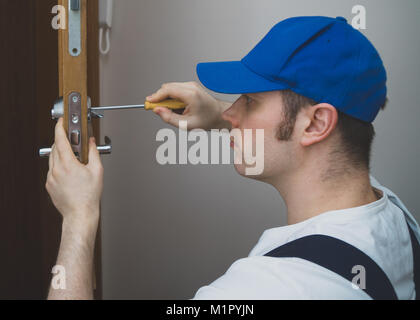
103,149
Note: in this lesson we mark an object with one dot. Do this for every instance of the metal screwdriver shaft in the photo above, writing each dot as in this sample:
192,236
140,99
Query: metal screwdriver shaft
141,106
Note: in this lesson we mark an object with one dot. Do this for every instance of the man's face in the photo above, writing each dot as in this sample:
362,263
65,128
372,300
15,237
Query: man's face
263,111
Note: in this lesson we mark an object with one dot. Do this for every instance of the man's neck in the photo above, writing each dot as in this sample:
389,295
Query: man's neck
307,196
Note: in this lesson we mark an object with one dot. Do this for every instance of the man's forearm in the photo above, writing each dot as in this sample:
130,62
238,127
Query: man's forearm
76,259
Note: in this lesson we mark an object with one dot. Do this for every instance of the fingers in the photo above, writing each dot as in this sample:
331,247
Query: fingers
62,152
51,169
62,144
180,91
186,92
169,116
51,159
94,156
55,157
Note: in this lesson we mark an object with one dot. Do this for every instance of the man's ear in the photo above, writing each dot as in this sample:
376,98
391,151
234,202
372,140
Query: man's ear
320,121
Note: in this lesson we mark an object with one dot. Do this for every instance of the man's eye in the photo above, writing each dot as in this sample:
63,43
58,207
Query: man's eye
248,100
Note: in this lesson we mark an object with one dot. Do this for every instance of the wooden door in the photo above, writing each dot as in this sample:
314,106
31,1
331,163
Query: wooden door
30,226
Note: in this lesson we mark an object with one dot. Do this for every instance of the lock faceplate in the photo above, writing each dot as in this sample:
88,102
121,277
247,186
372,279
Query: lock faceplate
75,122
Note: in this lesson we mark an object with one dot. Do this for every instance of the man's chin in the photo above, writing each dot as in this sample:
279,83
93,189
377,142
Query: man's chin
244,171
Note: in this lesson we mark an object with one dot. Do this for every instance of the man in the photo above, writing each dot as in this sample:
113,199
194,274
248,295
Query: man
314,84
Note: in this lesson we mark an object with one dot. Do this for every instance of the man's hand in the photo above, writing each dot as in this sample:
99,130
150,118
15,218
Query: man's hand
75,189
203,111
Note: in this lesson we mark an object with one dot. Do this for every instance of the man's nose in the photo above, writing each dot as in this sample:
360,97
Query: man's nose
231,115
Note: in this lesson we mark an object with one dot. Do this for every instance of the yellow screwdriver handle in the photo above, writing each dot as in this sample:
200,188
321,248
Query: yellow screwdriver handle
170,104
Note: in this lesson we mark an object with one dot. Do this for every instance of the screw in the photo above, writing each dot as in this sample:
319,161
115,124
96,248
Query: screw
75,118
75,99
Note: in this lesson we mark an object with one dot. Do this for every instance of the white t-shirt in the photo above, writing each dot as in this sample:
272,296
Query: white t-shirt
379,229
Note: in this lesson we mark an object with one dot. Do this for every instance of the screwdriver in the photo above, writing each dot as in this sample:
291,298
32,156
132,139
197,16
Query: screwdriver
172,104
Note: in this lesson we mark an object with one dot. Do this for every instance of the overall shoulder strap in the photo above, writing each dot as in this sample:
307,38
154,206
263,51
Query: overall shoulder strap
340,257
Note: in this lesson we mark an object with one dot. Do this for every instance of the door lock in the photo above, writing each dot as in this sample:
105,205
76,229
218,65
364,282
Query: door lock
74,124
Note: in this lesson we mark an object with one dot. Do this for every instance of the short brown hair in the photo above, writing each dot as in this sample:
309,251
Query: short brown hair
357,136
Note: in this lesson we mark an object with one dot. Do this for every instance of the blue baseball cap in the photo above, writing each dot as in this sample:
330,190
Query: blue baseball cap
322,58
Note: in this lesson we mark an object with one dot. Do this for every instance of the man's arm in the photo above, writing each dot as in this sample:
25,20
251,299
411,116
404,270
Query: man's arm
75,190
76,257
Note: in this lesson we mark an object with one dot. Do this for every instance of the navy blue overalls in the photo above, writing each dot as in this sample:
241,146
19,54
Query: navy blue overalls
340,257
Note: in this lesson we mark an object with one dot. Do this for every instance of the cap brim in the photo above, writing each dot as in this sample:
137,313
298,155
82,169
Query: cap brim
233,77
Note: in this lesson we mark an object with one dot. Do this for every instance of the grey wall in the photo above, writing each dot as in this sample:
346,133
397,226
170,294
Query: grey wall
167,230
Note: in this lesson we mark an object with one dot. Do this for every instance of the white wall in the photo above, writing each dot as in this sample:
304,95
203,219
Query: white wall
169,230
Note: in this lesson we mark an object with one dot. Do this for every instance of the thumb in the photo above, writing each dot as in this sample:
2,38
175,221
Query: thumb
94,157
169,116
